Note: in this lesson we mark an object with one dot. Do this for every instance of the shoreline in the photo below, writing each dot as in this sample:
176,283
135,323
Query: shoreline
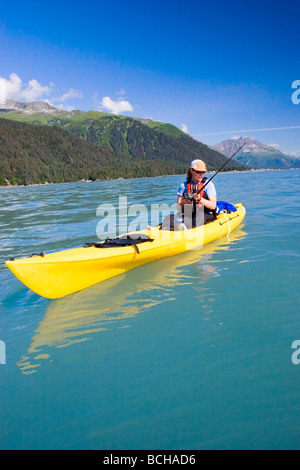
121,178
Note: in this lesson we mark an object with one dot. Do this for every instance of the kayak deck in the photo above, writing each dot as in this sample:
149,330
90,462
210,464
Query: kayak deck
58,274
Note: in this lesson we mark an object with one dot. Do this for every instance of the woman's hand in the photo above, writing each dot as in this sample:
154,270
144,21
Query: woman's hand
181,201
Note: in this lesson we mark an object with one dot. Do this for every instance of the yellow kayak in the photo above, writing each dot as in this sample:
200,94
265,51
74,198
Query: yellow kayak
58,274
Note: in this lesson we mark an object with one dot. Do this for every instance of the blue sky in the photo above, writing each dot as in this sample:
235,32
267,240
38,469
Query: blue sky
215,69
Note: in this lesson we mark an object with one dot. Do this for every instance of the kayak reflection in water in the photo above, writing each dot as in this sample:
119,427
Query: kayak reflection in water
196,206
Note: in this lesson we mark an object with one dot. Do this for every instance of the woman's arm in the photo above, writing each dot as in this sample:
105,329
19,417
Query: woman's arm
210,203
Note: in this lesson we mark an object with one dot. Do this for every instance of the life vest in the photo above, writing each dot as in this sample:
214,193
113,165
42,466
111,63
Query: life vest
195,188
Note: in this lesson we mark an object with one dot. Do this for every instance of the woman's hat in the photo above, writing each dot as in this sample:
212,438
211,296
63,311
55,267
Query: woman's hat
198,165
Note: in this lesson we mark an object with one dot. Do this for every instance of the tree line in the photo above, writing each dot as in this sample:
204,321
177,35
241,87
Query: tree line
31,154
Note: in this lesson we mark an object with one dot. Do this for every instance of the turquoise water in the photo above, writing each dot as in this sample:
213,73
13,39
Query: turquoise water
190,352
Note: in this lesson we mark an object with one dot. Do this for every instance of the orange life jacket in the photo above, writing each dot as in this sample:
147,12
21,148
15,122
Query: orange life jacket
196,188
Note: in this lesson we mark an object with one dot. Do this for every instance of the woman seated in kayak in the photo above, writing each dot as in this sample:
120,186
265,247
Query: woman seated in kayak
197,207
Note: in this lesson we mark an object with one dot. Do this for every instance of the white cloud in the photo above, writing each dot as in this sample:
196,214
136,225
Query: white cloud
295,153
184,128
35,90
13,88
116,107
275,146
10,89
69,95
65,107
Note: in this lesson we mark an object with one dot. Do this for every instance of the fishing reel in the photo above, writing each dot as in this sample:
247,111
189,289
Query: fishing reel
190,196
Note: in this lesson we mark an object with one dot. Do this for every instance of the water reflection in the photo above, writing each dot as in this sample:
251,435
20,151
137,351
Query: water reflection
107,305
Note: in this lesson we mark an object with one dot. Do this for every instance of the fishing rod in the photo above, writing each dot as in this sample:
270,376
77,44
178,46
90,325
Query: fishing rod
206,183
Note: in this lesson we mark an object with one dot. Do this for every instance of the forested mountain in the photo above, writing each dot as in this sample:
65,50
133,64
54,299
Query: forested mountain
40,143
37,154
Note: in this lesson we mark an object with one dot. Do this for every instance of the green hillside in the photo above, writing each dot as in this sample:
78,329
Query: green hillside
138,138
47,144
32,154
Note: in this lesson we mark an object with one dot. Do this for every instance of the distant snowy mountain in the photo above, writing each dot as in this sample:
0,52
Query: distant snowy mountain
257,155
29,108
